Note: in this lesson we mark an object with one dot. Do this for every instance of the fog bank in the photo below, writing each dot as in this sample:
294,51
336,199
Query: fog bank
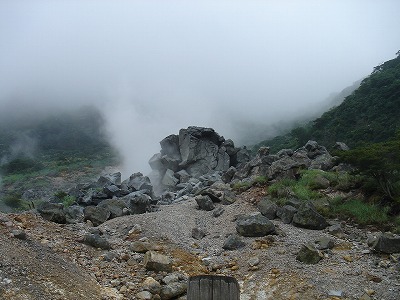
153,67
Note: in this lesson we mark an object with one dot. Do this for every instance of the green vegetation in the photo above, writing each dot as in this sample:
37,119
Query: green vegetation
370,114
36,150
64,198
245,185
380,162
312,182
361,212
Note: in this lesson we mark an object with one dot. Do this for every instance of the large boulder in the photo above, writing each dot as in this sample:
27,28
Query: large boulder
117,207
286,213
74,214
308,217
387,243
137,202
267,208
233,242
97,215
138,182
53,212
254,225
205,202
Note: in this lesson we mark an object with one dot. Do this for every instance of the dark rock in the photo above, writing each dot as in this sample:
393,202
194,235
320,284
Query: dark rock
74,214
198,233
254,225
19,234
228,197
336,230
97,215
387,243
116,207
308,217
204,203
218,211
137,202
233,242
53,212
96,241
183,176
112,190
267,208
138,182
173,290
341,146
286,213
108,179
324,243
293,202
308,254
169,179
228,175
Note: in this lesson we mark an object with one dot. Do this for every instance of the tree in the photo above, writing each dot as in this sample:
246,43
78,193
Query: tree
380,161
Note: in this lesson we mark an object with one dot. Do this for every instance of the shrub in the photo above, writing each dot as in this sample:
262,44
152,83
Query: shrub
361,212
21,165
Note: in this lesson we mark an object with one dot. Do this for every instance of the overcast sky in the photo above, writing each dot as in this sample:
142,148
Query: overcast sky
154,67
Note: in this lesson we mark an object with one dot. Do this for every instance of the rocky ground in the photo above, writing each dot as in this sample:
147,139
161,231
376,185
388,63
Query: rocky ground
45,260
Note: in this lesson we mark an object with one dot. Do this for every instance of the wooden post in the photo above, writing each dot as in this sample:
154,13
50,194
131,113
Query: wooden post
213,287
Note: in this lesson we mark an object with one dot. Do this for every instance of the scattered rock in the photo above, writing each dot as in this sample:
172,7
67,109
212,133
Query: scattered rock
97,215
173,290
308,217
151,285
267,208
96,241
254,225
53,212
387,243
205,203
141,247
324,243
286,213
308,254
233,242
154,261
198,233
218,212
144,295
19,234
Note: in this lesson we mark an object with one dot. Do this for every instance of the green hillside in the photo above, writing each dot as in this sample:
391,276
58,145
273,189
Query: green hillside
51,151
370,114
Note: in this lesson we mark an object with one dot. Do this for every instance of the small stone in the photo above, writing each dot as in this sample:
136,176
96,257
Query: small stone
374,278
369,292
144,295
308,254
254,261
335,293
19,234
151,285
123,289
365,297
348,258
324,243
173,290
218,211
233,242
198,233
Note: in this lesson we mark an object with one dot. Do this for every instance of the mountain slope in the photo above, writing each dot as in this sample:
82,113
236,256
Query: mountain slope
370,114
